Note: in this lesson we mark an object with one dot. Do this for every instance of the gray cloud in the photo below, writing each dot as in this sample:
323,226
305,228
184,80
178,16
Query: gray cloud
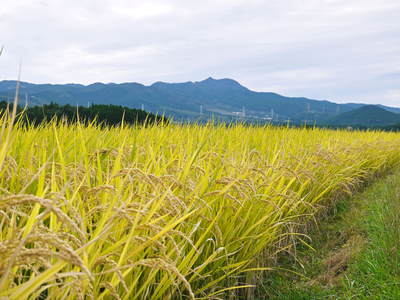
333,49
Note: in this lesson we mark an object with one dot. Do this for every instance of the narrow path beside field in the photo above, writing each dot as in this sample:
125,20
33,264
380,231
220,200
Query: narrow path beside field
357,252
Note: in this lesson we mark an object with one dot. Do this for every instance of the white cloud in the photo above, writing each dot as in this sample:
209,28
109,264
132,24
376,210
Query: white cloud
140,11
332,49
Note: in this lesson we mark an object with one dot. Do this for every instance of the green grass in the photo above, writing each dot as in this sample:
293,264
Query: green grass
360,239
376,275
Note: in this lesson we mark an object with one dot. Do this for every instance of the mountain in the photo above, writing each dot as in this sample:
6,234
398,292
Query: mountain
224,99
366,116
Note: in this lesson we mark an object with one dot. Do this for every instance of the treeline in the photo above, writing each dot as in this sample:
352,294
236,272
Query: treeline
395,127
104,114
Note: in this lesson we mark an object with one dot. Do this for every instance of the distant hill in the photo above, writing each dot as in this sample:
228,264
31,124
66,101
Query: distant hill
366,116
224,99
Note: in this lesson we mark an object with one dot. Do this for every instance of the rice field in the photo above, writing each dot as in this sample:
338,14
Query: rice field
159,212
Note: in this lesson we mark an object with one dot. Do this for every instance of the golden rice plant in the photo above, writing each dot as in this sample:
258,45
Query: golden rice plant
158,212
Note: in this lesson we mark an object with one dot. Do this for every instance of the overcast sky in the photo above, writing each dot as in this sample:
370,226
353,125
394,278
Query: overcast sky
341,50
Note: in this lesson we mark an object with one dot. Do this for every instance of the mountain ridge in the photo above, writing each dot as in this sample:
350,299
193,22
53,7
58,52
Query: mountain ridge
192,100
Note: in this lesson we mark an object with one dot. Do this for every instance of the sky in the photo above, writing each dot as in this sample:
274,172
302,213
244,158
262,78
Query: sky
339,50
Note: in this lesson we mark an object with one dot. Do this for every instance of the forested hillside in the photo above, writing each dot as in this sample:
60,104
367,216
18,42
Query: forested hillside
104,114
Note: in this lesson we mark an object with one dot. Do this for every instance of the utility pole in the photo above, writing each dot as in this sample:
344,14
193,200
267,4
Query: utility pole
201,109
142,107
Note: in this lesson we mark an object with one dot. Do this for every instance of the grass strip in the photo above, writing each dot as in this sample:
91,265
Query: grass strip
356,256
